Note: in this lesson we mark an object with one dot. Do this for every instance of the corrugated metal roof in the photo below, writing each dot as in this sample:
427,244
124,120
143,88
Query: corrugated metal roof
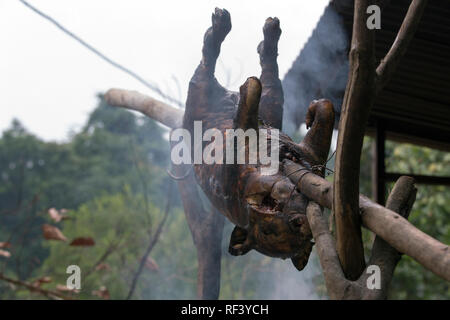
415,105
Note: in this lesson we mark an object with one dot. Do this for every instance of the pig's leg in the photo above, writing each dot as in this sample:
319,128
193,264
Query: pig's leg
320,120
204,95
214,36
271,105
204,90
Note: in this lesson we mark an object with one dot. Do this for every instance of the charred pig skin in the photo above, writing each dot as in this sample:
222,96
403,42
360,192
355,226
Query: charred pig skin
268,211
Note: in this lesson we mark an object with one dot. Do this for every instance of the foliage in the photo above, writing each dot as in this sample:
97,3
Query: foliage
110,152
115,222
431,214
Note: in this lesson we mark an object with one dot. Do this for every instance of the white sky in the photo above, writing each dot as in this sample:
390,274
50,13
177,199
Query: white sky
49,81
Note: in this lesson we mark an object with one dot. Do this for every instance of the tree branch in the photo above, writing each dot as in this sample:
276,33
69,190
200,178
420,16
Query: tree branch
404,36
47,293
155,109
383,255
358,100
335,280
390,226
401,200
152,244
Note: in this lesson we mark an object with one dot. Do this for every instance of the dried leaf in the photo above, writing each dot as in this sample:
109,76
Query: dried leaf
151,264
102,292
4,253
40,281
5,245
103,266
44,280
52,233
63,288
54,215
83,242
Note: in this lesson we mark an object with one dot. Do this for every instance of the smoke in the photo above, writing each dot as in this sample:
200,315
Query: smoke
320,70
287,283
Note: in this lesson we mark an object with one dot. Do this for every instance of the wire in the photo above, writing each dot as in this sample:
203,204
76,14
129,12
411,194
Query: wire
101,55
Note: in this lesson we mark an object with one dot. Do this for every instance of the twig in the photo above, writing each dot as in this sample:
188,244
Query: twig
152,244
48,293
103,257
398,49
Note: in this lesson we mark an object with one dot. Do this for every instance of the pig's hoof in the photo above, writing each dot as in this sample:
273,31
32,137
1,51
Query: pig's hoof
221,23
272,30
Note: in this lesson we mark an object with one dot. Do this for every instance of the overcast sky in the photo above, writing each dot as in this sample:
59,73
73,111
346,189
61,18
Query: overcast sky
49,81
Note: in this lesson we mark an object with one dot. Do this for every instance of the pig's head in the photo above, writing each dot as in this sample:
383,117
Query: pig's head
278,226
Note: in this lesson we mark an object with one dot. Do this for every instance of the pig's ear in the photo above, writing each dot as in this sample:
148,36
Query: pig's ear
301,259
239,242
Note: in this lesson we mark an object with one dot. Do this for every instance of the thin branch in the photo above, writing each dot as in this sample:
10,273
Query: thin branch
404,36
111,248
144,184
152,108
47,293
152,243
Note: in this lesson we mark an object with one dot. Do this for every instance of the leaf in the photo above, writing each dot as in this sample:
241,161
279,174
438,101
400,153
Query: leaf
63,288
4,253
40,281
102,292
52,233
5,245
57,216
151,264
83,242
54,215
44,280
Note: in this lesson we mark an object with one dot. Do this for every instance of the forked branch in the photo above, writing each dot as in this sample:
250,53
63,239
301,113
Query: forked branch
383,255
362,87
404,36
385,223
357,103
